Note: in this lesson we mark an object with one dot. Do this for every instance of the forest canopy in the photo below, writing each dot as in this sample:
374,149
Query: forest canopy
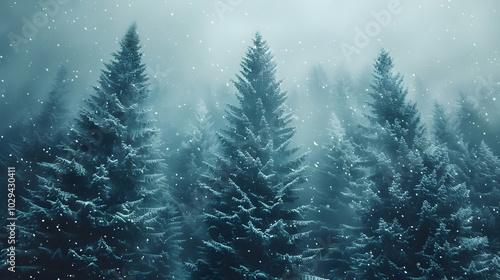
383,193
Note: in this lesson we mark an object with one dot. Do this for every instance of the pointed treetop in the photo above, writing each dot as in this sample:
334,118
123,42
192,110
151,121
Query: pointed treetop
258,37
131,34
62,74
126,75
130,44
383,64
257,77
132,28
258,65
259,51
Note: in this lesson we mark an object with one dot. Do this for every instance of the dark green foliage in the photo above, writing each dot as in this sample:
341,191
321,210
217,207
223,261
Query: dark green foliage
340,171
414,208
473,123
389,107
320,96
252,226
51,122
41,142
102,207
190,172
477,167
389,199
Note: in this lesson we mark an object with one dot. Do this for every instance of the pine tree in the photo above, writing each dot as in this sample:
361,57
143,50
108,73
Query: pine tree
320,95
442,221
446,132
345,104
39,140
476,170
103,209
389,107
472,124
485,194
194,159
253,227
47,128
412,203
423,97
191,167
46,133
416,211
340,172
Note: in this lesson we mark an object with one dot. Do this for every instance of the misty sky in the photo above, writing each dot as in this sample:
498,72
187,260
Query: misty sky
443,47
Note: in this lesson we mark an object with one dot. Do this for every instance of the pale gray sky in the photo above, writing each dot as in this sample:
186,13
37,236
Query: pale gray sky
450,46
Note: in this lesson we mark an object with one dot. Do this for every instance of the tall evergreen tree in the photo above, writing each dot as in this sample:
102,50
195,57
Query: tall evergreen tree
316,105
389,107
194,159
482,190
448,244
53,117
345,104
37,139
413,208
444,129
40,140
446,132
485,194
472,123
46,133
253,226
341,171
103,208
191,168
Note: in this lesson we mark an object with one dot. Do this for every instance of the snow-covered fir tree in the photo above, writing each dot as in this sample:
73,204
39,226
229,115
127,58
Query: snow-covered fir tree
451,244
39,137
190,169
40,140
194,159
446,132
474,124
444,129
46,132
319,95
252,225
344,104
412,201
485,197
389,107
49,125
339,172
481,190
103,208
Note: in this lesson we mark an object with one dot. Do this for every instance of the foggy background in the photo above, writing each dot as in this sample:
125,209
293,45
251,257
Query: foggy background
193,49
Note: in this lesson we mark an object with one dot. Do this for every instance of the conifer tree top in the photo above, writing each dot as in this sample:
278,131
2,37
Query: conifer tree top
125,75
258,174
383,65
258,67
389,105
130,48
257,84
